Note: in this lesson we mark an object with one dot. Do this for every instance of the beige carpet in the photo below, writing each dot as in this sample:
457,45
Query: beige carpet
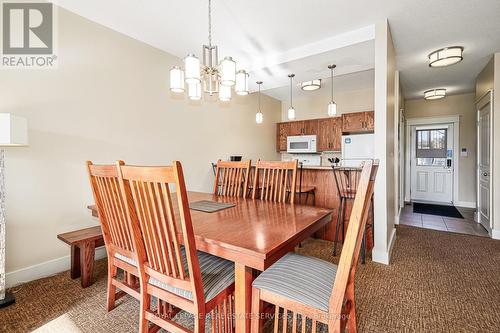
437,282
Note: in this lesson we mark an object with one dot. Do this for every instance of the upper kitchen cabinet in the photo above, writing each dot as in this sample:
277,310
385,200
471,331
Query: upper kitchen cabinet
358,122
282,130
329,134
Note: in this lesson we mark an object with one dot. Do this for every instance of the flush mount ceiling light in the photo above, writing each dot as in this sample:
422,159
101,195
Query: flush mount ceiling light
291,110
446,56
434,94
214,76
311,85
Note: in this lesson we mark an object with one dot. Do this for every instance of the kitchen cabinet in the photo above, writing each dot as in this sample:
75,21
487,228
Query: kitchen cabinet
296,128
282,130
358,122
329,134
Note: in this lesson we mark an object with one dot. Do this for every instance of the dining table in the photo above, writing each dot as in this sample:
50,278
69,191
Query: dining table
253,234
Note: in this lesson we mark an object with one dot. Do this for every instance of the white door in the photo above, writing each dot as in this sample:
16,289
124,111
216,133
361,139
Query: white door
484,165
431,164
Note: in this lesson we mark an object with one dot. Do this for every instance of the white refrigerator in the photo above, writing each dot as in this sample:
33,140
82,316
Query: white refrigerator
357,148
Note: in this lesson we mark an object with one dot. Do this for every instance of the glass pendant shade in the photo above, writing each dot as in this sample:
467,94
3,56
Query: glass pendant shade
259,117
241,87
176,80
228,72
332,109
194,91
446,56
192,67
225,93
291,113
434,94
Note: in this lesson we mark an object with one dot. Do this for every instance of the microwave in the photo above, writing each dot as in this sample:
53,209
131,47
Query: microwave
301,144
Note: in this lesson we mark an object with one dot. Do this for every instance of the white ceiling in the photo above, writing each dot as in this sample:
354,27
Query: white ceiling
272,38
347,82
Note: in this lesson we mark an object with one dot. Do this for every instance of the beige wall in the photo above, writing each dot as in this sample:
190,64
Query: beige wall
463,106
485,79
108,100
347,101
385,95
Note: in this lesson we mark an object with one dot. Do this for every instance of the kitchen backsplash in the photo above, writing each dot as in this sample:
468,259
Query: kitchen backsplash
324,157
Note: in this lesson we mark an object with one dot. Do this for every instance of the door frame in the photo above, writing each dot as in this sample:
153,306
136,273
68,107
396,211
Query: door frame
455,119
479,103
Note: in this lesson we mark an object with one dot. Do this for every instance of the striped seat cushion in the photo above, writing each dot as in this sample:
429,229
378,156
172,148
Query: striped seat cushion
216,274
303,279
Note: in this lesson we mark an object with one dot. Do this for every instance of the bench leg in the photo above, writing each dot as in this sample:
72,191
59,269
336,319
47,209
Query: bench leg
87,254
75,262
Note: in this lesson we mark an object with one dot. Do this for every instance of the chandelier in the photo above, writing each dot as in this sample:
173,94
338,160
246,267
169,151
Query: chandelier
211,76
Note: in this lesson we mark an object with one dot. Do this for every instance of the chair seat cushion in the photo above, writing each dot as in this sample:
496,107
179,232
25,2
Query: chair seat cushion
216,274
302,279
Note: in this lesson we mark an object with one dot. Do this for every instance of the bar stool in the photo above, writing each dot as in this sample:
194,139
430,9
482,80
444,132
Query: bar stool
307,190
347,180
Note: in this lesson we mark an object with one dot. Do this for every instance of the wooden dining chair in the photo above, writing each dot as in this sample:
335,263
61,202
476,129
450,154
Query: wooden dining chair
273,180
104,180
171,271
231,178
304,189
313,290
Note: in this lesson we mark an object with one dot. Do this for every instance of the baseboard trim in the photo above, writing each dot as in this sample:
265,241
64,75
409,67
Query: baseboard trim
384,257
495,234
44,269
465,204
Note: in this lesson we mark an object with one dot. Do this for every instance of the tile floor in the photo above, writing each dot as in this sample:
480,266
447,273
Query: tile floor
467,225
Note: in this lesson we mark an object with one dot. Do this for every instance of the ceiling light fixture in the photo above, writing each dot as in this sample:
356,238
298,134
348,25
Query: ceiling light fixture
291,110
332,106
214,76
446,56
434,94
311,85
259,117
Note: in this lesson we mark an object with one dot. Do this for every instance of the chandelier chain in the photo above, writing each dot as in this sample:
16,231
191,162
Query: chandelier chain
209,22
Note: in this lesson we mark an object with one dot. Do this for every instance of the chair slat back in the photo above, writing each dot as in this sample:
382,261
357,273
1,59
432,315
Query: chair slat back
155,226
104,180
275,181
347,181
231,178
344,277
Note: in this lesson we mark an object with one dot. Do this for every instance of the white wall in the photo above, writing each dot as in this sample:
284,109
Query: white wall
316,107
384,198
108,100
463,106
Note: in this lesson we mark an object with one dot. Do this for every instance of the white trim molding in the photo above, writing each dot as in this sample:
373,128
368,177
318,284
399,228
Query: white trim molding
465,204
495,234
44,269
384,257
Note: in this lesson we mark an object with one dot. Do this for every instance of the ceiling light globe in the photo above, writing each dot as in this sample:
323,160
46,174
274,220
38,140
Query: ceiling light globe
176,80
259,117
332,109
192,67
194,91
228,72
311,85
446,56
225,93
291,113
241,87
435,94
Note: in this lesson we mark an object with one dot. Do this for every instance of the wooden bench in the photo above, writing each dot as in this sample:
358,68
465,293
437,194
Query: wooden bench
83,244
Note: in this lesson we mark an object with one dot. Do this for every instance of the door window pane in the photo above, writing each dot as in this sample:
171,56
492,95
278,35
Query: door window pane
431,143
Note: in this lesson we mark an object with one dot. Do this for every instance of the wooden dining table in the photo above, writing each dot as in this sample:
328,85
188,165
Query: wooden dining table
253,234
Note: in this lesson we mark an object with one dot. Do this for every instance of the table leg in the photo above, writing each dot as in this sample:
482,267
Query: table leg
243,297
87,254
75,262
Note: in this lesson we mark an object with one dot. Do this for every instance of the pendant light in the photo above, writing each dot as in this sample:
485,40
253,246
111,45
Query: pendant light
291,110
259,117
332,106
224,93
177,80
241,87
